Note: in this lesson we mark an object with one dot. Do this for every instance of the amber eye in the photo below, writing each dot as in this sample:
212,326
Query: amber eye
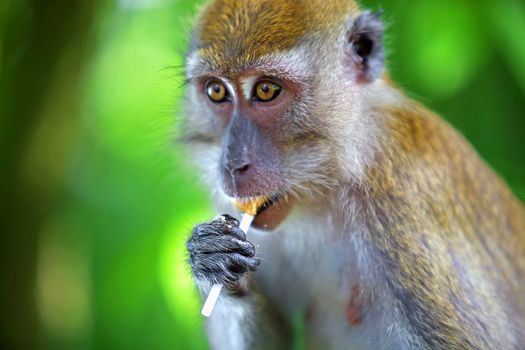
216,91
266,91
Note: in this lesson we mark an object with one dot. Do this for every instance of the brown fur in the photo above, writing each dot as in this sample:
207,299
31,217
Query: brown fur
427,170
234,38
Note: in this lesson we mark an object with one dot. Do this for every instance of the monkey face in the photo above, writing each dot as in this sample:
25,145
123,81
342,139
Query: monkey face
267,144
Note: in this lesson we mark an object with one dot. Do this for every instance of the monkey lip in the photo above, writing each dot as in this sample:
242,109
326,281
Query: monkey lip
274,199
272,212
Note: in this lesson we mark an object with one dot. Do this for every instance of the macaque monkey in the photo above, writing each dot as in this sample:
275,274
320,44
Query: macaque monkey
381,227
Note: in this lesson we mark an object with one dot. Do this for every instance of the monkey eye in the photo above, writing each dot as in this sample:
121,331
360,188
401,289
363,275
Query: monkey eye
266,91
216,91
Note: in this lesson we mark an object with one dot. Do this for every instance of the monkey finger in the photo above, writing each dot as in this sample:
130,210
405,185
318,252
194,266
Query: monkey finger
228,219
221,244
231,244
228,225
219,227
206,229
240,263
209,263
220,266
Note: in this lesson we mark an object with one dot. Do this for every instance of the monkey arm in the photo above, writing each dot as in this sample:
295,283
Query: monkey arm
220,253
440,292
242,318
448,251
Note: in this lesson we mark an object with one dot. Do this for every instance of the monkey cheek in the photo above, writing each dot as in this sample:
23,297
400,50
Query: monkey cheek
272,216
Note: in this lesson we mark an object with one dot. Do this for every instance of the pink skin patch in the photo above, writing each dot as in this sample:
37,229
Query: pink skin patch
353,308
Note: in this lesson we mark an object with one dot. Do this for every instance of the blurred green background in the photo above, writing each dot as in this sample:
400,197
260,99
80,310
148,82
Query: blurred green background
96,198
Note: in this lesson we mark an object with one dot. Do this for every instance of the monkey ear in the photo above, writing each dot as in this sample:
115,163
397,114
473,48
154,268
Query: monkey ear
364,40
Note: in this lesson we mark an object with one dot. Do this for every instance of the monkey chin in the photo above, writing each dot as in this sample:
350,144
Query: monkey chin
273,213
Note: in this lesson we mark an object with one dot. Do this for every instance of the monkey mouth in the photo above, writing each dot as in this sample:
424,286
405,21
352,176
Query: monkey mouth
272,211
274,199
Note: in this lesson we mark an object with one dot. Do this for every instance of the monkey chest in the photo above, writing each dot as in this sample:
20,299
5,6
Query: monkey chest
322,282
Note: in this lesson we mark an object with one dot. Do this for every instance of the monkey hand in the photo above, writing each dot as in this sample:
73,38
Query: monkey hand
220,253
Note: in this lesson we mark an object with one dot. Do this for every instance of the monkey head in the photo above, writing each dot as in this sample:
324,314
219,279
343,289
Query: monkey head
272,95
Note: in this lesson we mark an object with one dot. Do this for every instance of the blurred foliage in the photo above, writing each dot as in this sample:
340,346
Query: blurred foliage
98,201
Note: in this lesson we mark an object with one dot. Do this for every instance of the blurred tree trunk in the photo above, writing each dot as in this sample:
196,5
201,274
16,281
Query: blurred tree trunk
44,45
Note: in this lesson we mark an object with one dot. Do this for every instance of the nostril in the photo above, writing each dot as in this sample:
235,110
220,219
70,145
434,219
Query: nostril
242,169
237,167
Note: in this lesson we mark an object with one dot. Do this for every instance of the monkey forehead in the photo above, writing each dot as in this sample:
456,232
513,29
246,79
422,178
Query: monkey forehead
293,65
234,33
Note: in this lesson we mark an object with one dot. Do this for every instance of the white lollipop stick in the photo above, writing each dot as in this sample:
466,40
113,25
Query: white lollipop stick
211,300
246,221
215,290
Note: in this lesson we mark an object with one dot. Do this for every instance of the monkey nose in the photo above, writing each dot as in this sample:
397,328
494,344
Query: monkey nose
244,177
